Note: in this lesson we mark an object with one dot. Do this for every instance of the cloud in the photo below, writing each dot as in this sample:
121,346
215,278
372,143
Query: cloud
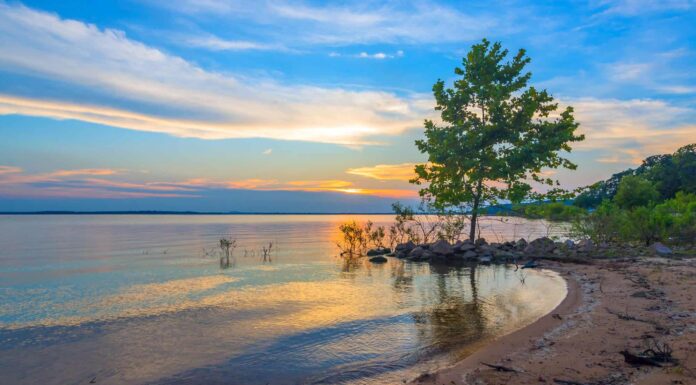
215,43
630,130
401,172
638,7
90,183
267,151
300,23
104,77
9,170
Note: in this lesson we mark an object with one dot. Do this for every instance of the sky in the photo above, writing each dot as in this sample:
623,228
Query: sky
307,106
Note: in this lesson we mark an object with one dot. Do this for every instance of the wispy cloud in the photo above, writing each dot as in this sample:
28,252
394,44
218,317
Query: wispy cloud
150,90
301,23
91,183
215,43
401,172
638,7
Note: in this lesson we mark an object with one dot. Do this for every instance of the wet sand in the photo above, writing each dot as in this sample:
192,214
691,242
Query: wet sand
611,306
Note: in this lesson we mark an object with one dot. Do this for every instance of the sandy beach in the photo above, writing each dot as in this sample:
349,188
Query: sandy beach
611,306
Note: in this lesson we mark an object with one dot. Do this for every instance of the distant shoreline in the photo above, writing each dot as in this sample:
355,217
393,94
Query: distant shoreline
174,213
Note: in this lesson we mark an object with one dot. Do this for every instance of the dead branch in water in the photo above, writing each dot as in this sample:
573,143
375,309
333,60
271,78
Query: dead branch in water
500,368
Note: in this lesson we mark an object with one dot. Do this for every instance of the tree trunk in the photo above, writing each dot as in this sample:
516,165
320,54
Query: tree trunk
474,211
474,217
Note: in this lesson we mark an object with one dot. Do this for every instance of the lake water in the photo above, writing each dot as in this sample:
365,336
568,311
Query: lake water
144,300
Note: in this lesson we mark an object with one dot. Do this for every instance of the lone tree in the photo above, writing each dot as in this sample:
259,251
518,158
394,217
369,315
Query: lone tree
498,135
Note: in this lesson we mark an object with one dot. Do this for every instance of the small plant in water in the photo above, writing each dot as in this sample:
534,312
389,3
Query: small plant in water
267,252
227,247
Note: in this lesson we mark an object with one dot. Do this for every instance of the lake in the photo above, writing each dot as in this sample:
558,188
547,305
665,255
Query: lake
144,300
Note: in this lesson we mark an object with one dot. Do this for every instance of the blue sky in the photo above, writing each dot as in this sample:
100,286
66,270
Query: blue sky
186,105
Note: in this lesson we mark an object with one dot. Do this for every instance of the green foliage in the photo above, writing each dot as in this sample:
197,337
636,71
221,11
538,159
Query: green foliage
669,173
673,221
634,191
552,211
356,238
498,134
604,225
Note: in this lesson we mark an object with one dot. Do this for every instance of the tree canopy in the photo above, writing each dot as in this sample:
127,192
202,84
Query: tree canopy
669,173
497,134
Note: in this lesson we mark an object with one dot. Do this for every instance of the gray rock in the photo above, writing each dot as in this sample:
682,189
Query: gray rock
378,259
586,245
442,247
504,254
569,244
407,247
469,254
416,253
661,250
485,259
467,246
521,244
481,242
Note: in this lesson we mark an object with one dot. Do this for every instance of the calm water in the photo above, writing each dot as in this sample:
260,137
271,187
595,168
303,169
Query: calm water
144,300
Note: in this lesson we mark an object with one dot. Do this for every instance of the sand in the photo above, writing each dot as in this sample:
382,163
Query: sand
611,306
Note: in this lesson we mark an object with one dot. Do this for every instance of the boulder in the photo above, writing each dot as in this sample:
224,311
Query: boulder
521,244
661,250
378,251
442,247
481,242
540,246
416,253
569,244
458,246
467,246
586,245
470,255
406,247
378,259
485,259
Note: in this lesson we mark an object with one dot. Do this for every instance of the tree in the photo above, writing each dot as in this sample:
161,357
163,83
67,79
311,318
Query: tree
634,191
497,134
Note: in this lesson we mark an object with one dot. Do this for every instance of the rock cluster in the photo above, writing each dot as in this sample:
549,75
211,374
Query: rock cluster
544,247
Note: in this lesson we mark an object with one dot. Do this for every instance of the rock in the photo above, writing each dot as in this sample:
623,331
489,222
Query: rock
416,253
521,244
457,246
480,242
504,254
661,249
467,246
469,254
485,259
378,251
569,244
406,247
586,245
442,247
378,259
530,265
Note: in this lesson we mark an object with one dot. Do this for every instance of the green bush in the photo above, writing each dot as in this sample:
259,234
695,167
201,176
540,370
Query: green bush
634,191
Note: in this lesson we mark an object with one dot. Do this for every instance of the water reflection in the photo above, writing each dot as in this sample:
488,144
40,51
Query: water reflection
307,317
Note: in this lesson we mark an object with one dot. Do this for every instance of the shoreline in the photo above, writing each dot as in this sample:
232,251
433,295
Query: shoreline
610,306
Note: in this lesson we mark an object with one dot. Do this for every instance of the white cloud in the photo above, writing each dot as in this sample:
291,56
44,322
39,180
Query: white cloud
637,7
215,43
301,23
629,130
268,151
150,90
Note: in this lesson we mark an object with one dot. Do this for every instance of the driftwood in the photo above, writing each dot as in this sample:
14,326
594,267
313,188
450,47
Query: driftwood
567,382
500,368
637,360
